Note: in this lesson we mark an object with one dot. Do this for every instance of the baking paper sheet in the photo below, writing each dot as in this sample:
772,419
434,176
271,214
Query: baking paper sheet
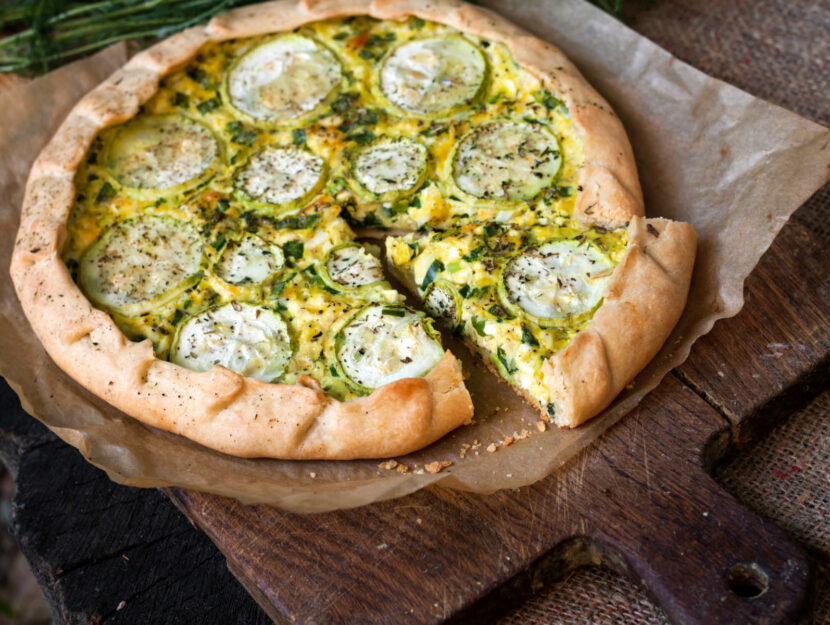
734,166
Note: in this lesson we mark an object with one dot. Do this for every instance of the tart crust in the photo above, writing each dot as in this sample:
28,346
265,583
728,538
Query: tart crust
249,418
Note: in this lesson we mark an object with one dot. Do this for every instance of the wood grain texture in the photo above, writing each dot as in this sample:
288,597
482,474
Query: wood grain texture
638,500
775,354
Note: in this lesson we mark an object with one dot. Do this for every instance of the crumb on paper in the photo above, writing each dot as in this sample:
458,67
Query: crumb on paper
312,474
402,468
540,425
437,466
388,465
120,606
507,441
491,447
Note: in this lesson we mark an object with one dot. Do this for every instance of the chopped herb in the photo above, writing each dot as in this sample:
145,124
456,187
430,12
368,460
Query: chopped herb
177,316
509,365
429,277
478,325
240,134
362,137
223,204
453,267
207,106
293,249
459,329
473,254
180,99
416,201
343,34
107,192
527,336
298,136
372,221
296,222
491,229
393,312
218,242
344,102
551,408
333,371
466,292
550,101
200,76
418,23
498,312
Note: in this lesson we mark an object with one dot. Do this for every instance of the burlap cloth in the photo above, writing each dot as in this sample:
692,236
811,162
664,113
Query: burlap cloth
778,50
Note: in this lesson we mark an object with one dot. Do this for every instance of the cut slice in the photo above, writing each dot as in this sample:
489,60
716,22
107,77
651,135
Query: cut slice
433,77
382,344
282,80
249,340
161,152
506,161
140,264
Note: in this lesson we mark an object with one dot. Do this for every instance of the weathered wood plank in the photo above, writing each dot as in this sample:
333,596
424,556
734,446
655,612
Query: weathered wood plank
761,364
93,544
639,500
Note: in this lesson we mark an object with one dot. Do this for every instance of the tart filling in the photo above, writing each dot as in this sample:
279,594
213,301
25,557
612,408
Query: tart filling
249,261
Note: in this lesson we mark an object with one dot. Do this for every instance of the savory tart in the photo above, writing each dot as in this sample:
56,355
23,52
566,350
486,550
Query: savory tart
189,241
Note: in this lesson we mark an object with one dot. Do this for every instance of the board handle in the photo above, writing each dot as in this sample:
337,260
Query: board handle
702,555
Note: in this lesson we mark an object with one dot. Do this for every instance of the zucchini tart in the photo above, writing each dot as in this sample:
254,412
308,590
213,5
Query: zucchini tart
189,248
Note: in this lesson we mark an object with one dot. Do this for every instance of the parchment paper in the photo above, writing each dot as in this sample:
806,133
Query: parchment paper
732,165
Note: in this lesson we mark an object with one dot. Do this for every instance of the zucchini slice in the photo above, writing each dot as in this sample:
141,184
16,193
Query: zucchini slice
284,79
389,169
433,77
350,265
506,161
162,152
556,283
442,299
139,264
382,344
252,341
249,261
283,176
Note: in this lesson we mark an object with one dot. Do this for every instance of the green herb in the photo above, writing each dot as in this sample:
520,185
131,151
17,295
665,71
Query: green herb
498,312
362,137
240,134
343,34
453,267
418,23
527,336
509,365
181,99
223,204
207,106
344,102
393,312
416,201
473,254
197,74
466,292
177,316
478,325
373,221
298,136
293,249
429,277
106,192
218,242
551,408
333,371
297,222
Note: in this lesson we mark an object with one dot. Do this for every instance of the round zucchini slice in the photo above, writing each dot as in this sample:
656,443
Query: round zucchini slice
350,265
139,264
442,300
433,77
506,161
390,168
252,341
250,260
556,283
282,80
382,344
161,152
281,176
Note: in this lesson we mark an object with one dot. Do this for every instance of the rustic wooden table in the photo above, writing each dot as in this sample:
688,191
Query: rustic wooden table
105,553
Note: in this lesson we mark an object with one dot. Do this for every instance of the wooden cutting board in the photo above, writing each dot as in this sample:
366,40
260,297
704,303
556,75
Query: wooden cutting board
639,500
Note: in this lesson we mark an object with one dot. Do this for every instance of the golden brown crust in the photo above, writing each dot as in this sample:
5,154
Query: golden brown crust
219,408
641,305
